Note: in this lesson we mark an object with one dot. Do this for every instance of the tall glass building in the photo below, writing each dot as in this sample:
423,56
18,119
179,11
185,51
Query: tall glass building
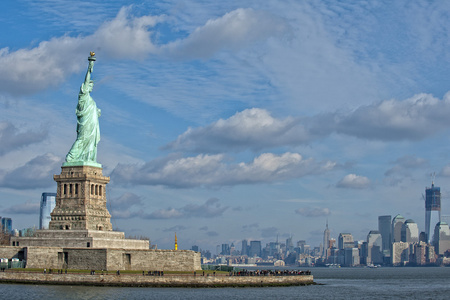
432,208
47,205
6,225
244,249
255,248
384,227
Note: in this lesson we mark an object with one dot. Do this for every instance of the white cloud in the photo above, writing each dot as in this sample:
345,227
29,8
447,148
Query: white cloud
169,213
445,171
252,128
175,228
234,30
36,173
313,211
123,206
405,164
11,139
256,129
127,36
269,232
391,120
210,209
28,208
211,170
354,181
28,70
125,201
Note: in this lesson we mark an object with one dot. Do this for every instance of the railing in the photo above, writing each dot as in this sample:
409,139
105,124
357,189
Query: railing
219,268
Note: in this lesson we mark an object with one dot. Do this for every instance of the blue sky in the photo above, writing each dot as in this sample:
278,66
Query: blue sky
231,120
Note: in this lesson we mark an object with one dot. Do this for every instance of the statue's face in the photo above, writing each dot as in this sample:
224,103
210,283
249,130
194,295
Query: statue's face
91,86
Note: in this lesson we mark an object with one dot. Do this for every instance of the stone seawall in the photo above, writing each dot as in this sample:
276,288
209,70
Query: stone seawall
104,259
169,280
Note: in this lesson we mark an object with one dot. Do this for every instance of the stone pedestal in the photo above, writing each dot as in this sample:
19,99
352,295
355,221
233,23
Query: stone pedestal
81,200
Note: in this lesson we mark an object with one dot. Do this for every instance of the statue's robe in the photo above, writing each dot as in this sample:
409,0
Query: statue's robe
84,149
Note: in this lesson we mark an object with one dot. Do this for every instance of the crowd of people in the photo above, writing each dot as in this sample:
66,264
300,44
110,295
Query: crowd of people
270,273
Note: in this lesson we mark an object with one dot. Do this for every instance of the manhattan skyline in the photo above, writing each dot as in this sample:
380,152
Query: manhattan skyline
231,121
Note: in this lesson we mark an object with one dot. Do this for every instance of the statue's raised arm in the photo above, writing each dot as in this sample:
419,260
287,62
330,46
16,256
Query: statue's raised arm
89,71
84,149
88,83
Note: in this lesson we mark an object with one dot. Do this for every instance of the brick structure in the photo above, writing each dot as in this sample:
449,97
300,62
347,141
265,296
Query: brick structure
81,200
80,234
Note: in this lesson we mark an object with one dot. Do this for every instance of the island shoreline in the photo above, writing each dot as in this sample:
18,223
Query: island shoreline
127,280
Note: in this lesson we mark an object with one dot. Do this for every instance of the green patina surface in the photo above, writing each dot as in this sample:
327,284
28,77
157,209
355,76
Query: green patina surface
84,149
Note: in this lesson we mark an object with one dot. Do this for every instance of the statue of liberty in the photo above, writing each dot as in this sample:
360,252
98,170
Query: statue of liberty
84,149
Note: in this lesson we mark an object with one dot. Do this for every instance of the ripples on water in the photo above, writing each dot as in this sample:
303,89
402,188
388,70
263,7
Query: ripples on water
343,283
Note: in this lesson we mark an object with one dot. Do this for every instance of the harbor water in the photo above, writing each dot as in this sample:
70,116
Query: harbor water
338,283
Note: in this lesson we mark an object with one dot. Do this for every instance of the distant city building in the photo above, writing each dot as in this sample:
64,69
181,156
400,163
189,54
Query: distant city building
48,202
289,245
441,239
445,218
273,249
27,232
345,240
225,249
410,232
301,244
232,249
194,248
351,257
206,254
384,227
400,253
423,254
255,248
6,225
423,237
326,241
432,208
244,249
396,229
374,247
307,249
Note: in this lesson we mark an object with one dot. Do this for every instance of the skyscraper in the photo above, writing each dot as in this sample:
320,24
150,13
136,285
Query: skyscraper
289,245
432,208
225,249
255,248
374,244
47,206
384,227
6,225
345,241
244,249
441,238
410,232
396,229
326,241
